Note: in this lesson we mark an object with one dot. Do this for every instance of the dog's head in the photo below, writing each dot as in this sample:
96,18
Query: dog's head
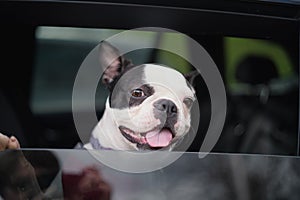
150,103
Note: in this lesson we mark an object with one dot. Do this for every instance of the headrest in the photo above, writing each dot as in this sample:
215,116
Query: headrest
255,70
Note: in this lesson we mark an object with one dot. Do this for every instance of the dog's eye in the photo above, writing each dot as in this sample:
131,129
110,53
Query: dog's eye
137,93
188,102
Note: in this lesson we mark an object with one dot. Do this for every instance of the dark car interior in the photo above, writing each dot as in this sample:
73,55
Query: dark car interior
255,45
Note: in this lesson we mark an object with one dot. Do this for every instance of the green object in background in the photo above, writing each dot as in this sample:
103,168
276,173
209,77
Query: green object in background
236,49
171,59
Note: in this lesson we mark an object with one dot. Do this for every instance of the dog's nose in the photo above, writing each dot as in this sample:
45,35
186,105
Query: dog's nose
167,106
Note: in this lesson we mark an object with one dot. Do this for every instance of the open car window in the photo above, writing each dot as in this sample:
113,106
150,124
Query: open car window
260,77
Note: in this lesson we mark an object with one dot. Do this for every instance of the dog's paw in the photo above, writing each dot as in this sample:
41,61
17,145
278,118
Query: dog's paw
8,143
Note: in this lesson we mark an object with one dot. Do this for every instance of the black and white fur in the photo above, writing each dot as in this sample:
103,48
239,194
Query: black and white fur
148,106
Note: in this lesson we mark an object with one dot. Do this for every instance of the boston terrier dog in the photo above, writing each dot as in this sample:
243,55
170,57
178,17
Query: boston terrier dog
148,107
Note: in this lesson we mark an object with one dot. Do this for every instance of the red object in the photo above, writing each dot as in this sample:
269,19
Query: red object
87,185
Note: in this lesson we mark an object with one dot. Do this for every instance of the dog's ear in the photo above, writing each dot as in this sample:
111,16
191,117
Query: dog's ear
112,63
190,77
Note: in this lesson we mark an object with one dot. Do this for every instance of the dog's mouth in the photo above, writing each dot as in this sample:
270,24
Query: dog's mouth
155,139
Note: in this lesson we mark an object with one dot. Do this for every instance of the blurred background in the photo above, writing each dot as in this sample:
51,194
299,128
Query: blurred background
255,45
260,76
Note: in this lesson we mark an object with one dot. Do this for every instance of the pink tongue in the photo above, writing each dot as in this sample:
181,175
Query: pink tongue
159,139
